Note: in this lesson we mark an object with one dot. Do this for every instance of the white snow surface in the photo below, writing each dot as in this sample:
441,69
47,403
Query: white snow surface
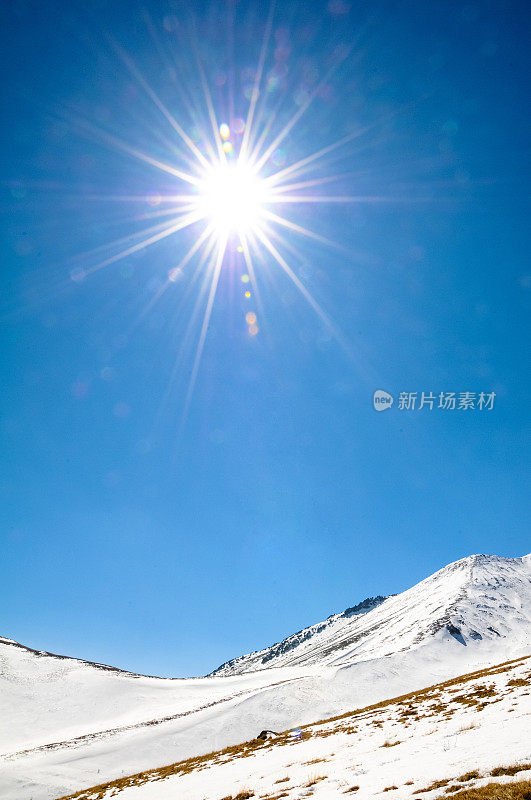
72,724
447,733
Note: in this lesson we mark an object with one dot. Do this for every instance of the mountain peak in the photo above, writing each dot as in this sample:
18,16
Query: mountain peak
475,599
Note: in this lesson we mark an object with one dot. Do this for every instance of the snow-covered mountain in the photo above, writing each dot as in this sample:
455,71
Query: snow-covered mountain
477,598
73,724
290,650
430,743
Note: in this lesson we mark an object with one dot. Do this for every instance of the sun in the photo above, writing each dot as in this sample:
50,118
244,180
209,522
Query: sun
232,197
237,188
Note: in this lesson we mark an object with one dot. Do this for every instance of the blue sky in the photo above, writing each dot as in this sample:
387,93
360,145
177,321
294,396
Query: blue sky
129,538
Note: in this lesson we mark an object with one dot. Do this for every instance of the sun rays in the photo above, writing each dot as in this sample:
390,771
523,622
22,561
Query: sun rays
231,191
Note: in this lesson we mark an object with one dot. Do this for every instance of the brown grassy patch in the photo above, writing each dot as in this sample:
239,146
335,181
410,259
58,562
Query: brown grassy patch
512,770
387,743
352,789
518,682
432,786
469,776
496,791
390,788
473,697
315,779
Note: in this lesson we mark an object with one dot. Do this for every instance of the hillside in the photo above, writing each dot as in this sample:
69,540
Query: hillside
429,743
73,723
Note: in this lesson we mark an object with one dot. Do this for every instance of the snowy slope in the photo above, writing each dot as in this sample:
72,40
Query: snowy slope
477,598
49,698
444,738
73,724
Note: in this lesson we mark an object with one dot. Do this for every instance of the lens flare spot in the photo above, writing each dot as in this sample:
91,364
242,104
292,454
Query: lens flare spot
238,125
245,278
122,410
250,318
154,200
227,146
253,330
247,295
224,130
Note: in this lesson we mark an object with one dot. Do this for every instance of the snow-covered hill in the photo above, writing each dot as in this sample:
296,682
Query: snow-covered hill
477,598
74,724
438,740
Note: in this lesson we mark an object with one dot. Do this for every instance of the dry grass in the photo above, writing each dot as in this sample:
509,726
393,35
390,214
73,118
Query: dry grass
469,776
387,743
472,698
315,779
352,789
496,791
512,770
433,786
274,796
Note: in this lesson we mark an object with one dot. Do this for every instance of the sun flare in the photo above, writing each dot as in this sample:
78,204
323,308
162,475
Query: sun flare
238,190
232,197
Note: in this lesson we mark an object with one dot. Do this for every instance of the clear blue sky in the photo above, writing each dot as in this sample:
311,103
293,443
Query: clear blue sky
285,497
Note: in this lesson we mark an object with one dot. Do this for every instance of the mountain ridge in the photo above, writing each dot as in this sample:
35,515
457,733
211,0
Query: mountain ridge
304,634
289,643
465,604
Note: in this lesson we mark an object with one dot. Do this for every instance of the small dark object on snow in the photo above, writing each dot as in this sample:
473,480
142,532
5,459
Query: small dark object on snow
267,735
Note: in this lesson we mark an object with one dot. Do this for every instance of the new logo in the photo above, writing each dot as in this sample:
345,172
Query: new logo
382,400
